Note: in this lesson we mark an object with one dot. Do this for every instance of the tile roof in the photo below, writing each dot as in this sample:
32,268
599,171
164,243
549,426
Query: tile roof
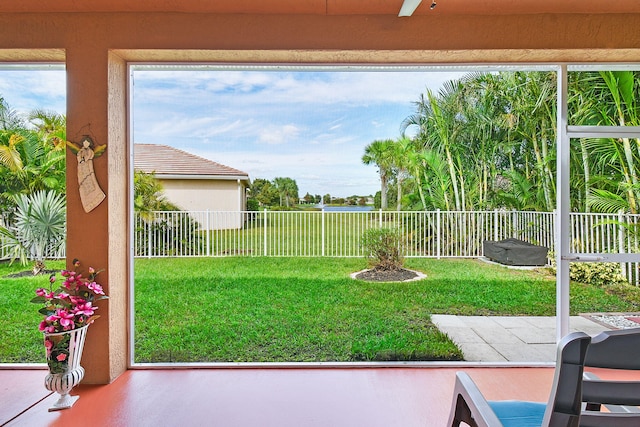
165,160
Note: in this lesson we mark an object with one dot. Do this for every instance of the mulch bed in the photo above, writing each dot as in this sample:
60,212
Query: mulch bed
28,273
376,275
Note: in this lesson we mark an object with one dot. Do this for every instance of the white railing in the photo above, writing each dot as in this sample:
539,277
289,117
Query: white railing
429,234
324,233
432,234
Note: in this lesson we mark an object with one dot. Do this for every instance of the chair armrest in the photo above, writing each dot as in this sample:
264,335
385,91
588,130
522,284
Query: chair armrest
470,406
590,387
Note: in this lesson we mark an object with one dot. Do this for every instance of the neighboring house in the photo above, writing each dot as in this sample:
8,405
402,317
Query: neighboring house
194,183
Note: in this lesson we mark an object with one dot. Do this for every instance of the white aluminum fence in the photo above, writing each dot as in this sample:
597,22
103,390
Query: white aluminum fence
434,234
592,233
337,233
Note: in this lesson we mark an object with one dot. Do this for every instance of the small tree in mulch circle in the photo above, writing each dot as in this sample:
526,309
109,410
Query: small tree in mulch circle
383,248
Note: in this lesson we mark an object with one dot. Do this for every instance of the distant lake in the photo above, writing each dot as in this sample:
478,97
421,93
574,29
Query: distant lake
347,208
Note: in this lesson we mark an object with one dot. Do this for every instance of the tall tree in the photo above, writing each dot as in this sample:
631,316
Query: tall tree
401,162
380,153
287,189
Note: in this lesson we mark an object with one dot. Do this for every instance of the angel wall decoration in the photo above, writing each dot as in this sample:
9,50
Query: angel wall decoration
91,195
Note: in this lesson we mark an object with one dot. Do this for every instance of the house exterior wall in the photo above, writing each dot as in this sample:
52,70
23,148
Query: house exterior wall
209,195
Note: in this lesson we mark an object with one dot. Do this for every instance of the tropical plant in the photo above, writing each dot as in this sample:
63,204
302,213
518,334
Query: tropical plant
38,226
153,229
148,196
287,191
380,153
9,118
611,165
28,164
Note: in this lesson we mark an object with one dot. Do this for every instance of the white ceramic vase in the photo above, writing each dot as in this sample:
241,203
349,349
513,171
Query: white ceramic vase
64,351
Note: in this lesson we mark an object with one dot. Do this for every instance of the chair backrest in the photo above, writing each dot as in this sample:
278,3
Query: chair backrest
563,408
617,350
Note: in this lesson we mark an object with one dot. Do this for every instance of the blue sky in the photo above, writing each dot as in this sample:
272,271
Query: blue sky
311,126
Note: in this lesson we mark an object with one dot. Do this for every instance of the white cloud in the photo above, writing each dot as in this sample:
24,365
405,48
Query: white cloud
317,172
279,134
310,126
26,90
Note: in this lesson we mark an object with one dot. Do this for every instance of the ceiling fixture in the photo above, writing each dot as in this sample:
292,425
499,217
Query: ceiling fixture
409,6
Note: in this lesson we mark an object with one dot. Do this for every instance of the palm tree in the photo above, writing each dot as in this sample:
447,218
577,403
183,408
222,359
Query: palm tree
51,127
287,189
436,174
28,165
440,121
401,150
608,98
9,118
416,166
380,153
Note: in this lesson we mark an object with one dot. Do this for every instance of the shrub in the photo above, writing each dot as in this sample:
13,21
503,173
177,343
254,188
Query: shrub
601,274
383,248
597,273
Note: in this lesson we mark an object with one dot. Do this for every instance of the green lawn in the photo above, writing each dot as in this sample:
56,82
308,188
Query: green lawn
300,309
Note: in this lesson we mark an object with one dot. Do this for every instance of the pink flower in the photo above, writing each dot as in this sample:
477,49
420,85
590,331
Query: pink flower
48,344
41,292
76,300
96,288
46,327
84,309
64,318
61,357
72,306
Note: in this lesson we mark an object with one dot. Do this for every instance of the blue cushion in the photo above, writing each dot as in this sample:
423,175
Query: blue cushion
516,413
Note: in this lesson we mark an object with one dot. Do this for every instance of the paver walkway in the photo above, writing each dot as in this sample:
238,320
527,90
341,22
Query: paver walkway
509,339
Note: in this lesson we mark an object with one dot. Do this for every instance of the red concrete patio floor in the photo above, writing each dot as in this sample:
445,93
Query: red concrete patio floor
331,397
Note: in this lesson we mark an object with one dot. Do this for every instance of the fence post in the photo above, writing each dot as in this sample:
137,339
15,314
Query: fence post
323,235
496,218
438,230
552,238
208,239
149,236
380,218
264,225
621,244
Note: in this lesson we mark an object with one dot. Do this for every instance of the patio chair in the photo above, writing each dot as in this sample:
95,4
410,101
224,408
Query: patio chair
562,409
614,350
